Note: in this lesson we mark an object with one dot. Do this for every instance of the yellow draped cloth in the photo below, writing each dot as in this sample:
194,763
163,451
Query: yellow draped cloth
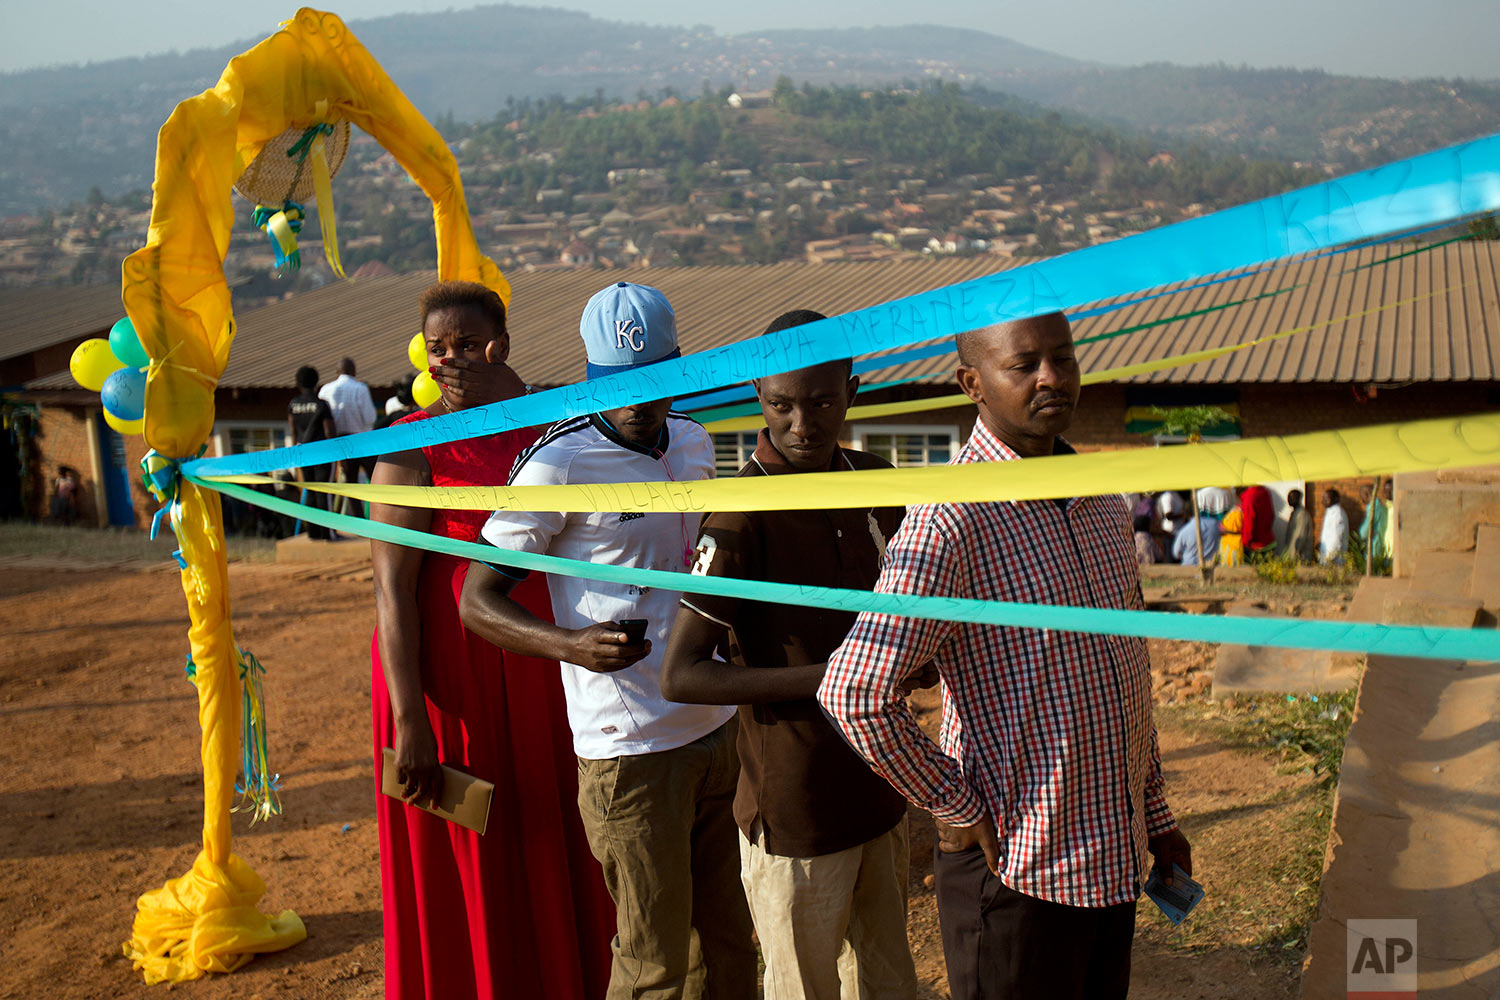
311,71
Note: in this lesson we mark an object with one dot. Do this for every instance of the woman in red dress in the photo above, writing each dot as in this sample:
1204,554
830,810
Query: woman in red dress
522,911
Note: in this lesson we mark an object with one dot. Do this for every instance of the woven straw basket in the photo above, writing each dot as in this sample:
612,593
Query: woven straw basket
274,178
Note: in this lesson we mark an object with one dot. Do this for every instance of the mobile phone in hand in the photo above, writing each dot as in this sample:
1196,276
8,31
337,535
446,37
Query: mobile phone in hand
634,629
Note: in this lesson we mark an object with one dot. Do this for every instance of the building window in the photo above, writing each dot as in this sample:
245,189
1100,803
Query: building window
732,451
908,445
242,436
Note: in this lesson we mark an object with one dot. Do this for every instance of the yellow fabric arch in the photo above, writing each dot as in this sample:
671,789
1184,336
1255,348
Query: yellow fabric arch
313,70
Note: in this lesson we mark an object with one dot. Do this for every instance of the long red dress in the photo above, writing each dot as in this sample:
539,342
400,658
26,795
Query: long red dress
521,912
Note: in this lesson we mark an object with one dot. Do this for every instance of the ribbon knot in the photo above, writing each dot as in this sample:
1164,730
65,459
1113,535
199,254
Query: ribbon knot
162,477
281,226
304,145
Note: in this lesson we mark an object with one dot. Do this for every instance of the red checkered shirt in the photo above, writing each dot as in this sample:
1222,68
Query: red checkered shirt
1050,733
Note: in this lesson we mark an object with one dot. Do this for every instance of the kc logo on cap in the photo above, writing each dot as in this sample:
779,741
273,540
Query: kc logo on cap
627,326
626,332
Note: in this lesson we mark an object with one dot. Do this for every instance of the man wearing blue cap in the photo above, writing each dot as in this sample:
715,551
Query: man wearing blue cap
656,779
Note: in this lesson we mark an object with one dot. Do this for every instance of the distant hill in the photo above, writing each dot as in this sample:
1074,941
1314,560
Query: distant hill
1303,115
67,130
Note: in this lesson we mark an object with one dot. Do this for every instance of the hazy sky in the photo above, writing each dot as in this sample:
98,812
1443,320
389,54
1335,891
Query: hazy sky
1369,37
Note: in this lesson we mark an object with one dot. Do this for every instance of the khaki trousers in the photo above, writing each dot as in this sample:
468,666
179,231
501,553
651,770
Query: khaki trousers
832,927
662,828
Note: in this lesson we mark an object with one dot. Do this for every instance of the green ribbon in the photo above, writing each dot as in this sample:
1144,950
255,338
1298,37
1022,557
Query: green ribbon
1290,633
301,147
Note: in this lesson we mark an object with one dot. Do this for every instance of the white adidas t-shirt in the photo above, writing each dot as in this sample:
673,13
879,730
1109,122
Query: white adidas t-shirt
621,713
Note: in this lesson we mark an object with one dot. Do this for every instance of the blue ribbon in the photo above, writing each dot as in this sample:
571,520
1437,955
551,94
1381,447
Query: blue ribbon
1399,197
737,393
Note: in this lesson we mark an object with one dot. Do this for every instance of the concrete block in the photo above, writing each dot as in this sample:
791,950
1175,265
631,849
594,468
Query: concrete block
1422,608
1478,474
1256,669
1369,599
1368,606
1439,572
1178,572
301,549
1441,516
1484,582
1416,827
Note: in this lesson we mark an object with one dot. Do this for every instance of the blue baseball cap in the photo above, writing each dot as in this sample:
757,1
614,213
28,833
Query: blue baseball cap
627,326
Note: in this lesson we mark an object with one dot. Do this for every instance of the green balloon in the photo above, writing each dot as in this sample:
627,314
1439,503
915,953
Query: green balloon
126,345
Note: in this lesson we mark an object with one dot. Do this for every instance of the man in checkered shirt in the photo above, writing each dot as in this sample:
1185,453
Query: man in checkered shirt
1047,784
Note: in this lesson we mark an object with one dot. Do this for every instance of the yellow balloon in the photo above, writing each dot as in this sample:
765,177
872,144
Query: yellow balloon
93,362
425,390
416,351
124,426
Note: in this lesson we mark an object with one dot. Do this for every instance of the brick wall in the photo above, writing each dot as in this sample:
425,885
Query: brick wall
65,441
1298,409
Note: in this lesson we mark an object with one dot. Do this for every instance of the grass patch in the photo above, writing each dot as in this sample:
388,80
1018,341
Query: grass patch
1301,868
1271,850
1315,590
112,545
1306,732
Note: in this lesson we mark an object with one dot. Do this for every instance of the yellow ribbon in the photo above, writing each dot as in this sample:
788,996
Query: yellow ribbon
323,190
1384,449
280,228
874,410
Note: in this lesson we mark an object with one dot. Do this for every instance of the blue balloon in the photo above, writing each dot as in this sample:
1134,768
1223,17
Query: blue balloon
124,394
125,343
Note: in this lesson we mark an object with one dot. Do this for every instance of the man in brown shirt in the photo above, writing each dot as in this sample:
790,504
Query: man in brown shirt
824,854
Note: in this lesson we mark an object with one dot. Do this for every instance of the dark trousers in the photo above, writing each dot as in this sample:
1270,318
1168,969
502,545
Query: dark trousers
318,501
1004,945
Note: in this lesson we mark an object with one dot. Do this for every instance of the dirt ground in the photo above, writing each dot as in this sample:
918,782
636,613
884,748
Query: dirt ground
100,794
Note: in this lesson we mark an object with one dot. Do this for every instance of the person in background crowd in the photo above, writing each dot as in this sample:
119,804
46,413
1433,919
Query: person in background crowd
1147,551
1333,540
656,779
1215,501
1185,544
1374,529
1170,507
521,911
65,495
1258,513
353,413
1231,539
400,405
824,852
1300,540
308,419
1387,491
1047,787
1164,526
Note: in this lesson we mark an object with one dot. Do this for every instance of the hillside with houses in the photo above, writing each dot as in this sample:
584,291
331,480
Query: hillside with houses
815,174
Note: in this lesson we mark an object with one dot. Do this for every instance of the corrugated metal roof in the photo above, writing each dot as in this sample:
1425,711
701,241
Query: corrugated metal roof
34,318
1450,336
372,321
1450,333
